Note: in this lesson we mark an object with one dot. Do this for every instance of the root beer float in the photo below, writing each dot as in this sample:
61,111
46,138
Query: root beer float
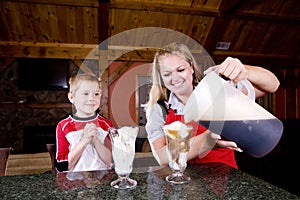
220,107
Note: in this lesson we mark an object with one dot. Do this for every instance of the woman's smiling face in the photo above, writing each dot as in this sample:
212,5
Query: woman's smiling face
177,74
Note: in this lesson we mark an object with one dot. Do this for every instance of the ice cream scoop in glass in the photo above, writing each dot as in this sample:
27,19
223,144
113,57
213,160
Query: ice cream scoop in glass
177,138
123,151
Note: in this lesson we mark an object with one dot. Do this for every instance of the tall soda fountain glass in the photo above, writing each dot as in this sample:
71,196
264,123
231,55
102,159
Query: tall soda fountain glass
123,151
177,137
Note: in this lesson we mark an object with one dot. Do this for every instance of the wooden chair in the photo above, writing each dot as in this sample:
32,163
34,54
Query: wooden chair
4,154
51,150
146,146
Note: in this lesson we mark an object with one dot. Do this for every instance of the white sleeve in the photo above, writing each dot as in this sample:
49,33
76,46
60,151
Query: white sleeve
155,122
101,134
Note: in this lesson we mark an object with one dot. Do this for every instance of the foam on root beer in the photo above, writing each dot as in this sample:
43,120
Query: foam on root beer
124,149
177,130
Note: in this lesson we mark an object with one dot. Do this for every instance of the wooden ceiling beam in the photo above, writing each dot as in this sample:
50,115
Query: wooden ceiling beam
247,54
85,3
164,8
137,54
228,10
269,60
12,50
48,50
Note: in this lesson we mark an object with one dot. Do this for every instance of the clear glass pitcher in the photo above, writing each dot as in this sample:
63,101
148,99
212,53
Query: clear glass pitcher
223,109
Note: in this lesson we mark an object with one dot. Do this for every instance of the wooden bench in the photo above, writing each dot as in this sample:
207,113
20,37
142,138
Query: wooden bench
18,164
36,163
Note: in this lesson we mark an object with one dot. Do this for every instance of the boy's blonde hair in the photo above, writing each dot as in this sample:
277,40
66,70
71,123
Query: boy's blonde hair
76,80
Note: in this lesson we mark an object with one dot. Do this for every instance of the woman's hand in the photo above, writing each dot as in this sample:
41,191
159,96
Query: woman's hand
224,143
263,80
231,68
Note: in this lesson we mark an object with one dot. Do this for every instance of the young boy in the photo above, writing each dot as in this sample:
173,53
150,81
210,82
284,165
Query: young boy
82,140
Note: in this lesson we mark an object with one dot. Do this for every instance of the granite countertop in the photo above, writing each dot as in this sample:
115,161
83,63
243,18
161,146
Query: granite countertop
209,181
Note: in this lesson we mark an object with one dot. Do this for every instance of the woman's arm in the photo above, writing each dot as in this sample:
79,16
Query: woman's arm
200,145
159,151
263,80
155,133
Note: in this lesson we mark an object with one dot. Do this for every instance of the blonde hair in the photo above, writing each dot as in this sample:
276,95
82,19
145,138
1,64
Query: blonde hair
158,91
76,80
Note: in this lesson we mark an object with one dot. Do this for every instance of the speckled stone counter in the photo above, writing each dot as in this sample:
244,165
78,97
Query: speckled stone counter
211,181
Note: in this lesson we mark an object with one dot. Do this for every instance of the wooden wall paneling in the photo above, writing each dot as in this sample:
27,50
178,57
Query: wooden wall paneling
291,85
117,15
236,33
4,22
61,15
16,23
267,31
80,24
41,21
200,28
153,16
22,19
54,22
213,4
70,18
244,42
280,8
298,93
219,25
280,95
92,27
277,43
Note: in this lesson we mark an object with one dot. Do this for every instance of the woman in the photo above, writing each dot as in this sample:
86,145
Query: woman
175,74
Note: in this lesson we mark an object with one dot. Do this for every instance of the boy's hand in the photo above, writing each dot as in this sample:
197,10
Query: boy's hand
89,133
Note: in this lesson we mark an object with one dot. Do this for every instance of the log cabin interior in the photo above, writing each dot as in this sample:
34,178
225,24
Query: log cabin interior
114,39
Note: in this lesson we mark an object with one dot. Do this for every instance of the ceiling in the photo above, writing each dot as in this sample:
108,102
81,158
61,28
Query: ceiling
260,32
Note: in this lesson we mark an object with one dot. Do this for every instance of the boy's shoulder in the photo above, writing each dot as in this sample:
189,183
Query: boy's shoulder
105,119
65,120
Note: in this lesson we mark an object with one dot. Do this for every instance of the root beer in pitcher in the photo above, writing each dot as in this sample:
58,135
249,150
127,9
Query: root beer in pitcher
223,109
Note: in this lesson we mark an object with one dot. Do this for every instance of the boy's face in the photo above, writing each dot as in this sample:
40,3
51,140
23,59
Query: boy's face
86,99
